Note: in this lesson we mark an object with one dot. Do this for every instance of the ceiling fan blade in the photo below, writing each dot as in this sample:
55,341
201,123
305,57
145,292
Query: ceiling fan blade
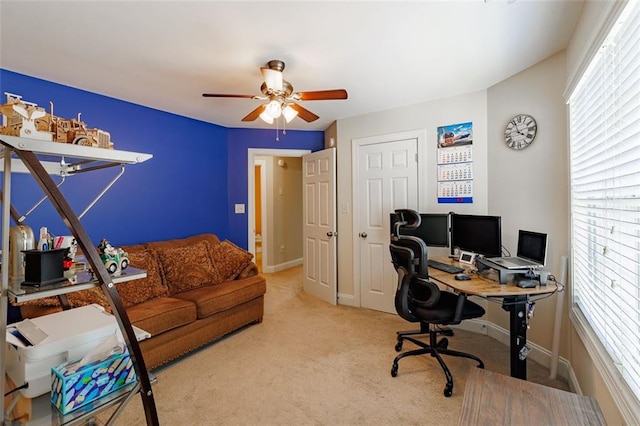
272,78
321,95
254,114
304,113
224,95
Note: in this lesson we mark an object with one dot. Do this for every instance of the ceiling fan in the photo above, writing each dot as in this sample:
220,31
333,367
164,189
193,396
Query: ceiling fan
282,100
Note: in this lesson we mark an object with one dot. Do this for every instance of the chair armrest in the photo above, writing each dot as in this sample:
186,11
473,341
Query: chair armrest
457,317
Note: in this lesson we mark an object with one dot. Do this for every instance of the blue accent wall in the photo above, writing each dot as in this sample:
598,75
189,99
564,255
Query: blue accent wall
197,173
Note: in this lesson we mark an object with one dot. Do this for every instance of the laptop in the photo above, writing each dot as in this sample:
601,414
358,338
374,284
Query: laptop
531,254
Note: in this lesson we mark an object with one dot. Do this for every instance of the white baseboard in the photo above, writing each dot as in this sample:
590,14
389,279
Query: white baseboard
347,300
574,385
282,266
474,325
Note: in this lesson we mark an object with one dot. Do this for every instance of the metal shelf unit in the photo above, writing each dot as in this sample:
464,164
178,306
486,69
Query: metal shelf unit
22,155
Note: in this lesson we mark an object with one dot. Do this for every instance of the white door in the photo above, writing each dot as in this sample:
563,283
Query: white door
319,226
387,179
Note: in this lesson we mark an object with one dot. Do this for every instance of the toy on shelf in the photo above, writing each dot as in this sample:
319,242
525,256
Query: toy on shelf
114,259
71,245
28,120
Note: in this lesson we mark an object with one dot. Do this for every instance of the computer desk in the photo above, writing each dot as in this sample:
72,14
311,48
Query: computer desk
515,300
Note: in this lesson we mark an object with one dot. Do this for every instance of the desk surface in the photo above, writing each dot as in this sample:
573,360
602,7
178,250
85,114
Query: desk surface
485,284
495,399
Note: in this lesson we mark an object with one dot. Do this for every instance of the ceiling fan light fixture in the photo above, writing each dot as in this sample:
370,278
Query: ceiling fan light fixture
266,117
289,113
274,109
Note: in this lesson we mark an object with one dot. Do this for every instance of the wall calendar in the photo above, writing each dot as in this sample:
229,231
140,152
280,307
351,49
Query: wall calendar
455,163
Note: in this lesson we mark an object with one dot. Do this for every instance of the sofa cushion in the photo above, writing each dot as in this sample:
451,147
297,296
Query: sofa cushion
212,239
137,291
230,260
185,265
161,314
216,298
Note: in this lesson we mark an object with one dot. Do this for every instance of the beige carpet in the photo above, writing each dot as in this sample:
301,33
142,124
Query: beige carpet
310,363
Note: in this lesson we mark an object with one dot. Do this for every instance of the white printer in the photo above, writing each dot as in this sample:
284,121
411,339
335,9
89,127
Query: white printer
35,345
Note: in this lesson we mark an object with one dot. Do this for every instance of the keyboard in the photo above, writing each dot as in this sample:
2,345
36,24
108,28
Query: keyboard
446,267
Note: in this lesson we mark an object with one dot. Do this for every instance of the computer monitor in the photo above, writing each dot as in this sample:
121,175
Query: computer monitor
532,246
479,234
433,229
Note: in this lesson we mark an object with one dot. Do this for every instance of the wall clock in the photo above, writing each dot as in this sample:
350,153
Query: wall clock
520,132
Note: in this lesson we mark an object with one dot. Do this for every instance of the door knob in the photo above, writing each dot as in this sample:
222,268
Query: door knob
329,234
363,235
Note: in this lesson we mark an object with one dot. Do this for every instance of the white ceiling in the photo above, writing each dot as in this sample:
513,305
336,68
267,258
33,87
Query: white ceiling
386,54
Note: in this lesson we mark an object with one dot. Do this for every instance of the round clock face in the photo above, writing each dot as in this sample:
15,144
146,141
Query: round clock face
520,131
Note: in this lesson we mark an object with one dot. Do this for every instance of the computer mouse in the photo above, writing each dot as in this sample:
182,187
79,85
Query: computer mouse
462,277
527,283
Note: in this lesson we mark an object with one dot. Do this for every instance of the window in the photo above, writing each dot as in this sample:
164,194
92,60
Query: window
605,198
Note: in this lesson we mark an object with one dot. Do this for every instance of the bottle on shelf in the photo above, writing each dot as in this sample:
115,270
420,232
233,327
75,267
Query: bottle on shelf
43,241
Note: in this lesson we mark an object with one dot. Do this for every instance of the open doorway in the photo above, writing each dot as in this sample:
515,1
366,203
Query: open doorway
273,201
260,203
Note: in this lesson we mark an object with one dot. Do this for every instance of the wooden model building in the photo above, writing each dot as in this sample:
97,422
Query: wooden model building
28,120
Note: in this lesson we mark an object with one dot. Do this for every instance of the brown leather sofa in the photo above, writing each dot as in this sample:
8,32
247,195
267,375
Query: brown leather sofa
197,290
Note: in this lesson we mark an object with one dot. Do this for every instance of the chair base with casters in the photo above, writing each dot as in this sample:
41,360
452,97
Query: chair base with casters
435,348
405,335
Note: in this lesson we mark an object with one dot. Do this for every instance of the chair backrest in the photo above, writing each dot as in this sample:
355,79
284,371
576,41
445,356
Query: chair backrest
410,220
402,258
409,258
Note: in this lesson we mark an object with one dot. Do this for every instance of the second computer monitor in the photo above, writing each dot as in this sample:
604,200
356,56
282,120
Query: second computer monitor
433,229
479,234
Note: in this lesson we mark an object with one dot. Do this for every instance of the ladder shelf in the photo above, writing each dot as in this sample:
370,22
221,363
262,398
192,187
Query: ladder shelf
35,157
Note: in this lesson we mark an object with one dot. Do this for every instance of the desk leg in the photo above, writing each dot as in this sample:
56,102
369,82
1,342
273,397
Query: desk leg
517,307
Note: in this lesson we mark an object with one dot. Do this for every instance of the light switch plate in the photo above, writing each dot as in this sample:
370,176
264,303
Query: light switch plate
240,208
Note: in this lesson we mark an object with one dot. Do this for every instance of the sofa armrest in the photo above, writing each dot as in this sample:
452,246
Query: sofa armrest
248,271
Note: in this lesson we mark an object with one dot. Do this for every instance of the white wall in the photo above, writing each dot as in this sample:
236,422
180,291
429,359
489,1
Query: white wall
428,116
529,188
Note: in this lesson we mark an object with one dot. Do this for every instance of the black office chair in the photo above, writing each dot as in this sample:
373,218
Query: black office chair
419,300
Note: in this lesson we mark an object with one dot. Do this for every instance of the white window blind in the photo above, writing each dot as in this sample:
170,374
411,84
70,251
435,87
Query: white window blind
605,195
